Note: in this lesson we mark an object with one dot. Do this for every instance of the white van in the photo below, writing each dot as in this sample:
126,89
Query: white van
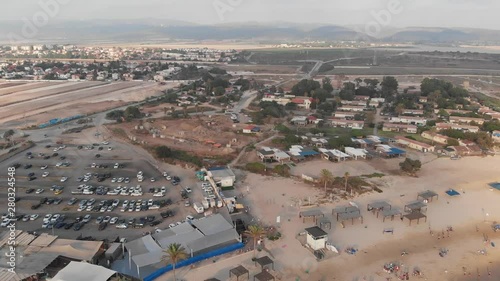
198,207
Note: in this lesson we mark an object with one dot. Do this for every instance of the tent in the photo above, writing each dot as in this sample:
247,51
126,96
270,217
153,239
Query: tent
452,192
82,271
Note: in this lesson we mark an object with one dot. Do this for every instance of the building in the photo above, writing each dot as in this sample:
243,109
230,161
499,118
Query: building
344,114
353,102
316,238
413,112
344,123
409,120
251,129
333,155
206,237
278,100
389,151
352,108
304,103
299,120
361,98
356,153
298,152
466,120
465,128
435,137
393,127
414,144
222,175
273,154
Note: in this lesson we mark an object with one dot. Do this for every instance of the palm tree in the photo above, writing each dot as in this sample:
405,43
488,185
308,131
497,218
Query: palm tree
326,177
255,232
174,253
346,177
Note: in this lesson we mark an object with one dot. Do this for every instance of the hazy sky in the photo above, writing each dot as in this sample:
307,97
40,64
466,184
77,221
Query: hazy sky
437,13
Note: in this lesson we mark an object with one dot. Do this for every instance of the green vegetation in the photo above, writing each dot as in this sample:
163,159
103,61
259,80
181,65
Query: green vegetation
483,139
282,170
305,87
268,109
256,167
164,152
410,166
374,175
488,101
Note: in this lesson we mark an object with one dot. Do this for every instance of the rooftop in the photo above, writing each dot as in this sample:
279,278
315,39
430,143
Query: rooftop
316,232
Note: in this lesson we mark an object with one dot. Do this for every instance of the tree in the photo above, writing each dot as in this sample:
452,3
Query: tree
327,84
132,112
174,254
163,152
346,178
326,177
8,134
255,232
410,166
389,86
321,95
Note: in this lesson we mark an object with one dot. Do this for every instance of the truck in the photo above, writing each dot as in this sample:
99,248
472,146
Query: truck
212,202
198,207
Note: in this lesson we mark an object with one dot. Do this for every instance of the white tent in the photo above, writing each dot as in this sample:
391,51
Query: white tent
82,271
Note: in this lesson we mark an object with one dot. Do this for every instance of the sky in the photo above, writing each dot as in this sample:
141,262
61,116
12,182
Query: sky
395,13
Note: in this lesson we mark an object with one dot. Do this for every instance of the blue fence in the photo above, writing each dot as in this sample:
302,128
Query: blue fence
194,259
56,121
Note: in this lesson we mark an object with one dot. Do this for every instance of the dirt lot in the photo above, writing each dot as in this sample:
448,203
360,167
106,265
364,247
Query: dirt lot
204,135
40,104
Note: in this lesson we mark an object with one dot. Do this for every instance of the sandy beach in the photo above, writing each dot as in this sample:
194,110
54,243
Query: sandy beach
470,215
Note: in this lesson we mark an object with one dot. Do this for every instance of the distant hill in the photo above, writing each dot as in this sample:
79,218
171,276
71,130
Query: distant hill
143,30
440,35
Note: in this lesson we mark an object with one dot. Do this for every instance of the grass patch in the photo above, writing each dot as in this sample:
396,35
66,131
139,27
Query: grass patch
374,175
119,132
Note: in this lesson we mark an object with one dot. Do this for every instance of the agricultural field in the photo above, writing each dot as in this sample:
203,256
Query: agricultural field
34,103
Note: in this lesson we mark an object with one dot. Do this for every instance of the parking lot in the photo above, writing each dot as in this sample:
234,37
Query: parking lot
66,182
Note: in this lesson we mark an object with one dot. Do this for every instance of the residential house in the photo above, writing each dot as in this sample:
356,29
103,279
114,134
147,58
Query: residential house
333,155
353,108
414,112
393,127
273,154
299,120
353,102
298,152
318,142
362,98
414,144
373,103
455,111
466,120
435,137
344,114
303,102
278,100
344,123
465,128
419,121
356,153
422,99
251,129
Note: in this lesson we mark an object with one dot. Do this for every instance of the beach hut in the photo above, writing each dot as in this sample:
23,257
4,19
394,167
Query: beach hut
316,238
239,271
324,223
427,196
416,206
390,213
378,206
416,215
314,214
263,276
265,261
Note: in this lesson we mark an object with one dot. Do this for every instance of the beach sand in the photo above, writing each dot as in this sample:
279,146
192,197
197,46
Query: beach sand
471,215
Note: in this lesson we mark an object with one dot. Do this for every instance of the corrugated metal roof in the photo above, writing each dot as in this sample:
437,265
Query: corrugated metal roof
5,237
43,240
212,224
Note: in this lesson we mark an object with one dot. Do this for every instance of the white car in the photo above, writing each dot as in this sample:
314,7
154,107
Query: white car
5,222
138,208
81,208
58,164
116,202
150,202
189,218
140,174
125,203
47,217
45,174
136,193
116,166
153,179
86,218
112,192
168,178
63,179
172,225
159,194
39,191
140,179
105,142
113,179
44,167
165,174
54,218
122,226
120,179
106,219
110,148
188,190
93,165
113,220
163,189
34,217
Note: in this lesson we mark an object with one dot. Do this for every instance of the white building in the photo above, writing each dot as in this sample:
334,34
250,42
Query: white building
316,238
